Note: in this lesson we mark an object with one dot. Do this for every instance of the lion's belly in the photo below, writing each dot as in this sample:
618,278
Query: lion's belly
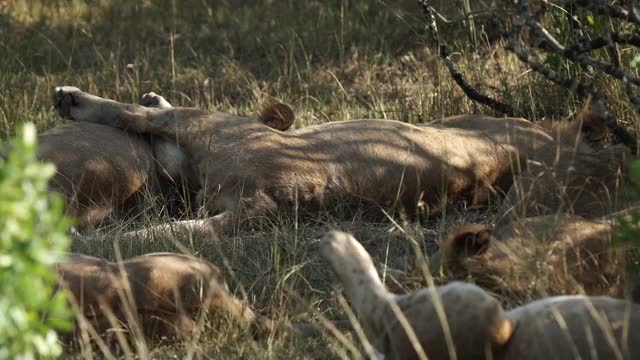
386,163
405,174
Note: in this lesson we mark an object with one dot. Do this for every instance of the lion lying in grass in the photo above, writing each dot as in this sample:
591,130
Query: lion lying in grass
165,291
248,170
582,183
101,169
537,256
580,176
461,320
165,294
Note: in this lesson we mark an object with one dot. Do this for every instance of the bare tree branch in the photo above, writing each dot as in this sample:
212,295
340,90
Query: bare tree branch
526,17
472,93
614,11
458,77
607,40
581,89
579,50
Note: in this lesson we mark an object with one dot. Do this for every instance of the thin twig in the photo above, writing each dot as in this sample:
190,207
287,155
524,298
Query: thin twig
613,11
559,48
581,89
602,41
457,76
472,93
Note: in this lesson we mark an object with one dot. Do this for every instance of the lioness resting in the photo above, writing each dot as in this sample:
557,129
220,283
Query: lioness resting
543,255
248,170
101,168
582,183
164,292
98,168
462,321
578,179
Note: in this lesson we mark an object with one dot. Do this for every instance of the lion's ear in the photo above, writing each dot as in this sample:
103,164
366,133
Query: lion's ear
502,328
278,116
467,241
502,331
594,127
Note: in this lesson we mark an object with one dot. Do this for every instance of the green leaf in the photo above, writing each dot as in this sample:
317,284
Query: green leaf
33,236
634,169
635,62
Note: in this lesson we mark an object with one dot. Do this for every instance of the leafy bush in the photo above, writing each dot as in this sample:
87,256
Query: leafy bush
33,235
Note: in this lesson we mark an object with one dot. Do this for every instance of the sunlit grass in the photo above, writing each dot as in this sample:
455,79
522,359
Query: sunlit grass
330,60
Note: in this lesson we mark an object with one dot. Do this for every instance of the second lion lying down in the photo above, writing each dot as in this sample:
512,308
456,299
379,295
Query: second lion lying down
248,170
461,320
538,255
164,294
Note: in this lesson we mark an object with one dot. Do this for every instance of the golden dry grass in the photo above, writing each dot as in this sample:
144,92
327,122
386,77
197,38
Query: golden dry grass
333,60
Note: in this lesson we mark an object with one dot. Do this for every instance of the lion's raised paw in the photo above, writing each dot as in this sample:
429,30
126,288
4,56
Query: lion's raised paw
64,98
152,99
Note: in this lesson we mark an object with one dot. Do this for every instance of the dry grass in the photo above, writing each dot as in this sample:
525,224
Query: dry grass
330,60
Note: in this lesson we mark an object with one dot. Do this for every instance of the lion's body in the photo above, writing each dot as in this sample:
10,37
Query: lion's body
165,291
464,319
99,168
574,327
545,255
391,321
248,170
376,161
566,168
585,183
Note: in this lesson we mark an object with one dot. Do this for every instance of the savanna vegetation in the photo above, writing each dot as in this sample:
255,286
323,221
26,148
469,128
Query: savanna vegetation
330,60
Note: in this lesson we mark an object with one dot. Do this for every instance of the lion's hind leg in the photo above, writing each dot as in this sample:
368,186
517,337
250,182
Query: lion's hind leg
216,224
73,103
154,100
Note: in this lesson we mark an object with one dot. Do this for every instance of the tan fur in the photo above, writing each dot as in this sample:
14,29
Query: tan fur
99,168
543,255
566,327
583,183
577,175
249,170
574,327
164,291
464,305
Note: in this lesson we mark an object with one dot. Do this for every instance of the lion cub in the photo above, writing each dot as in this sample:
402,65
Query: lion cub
393,322
539,255
165,292
462,321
